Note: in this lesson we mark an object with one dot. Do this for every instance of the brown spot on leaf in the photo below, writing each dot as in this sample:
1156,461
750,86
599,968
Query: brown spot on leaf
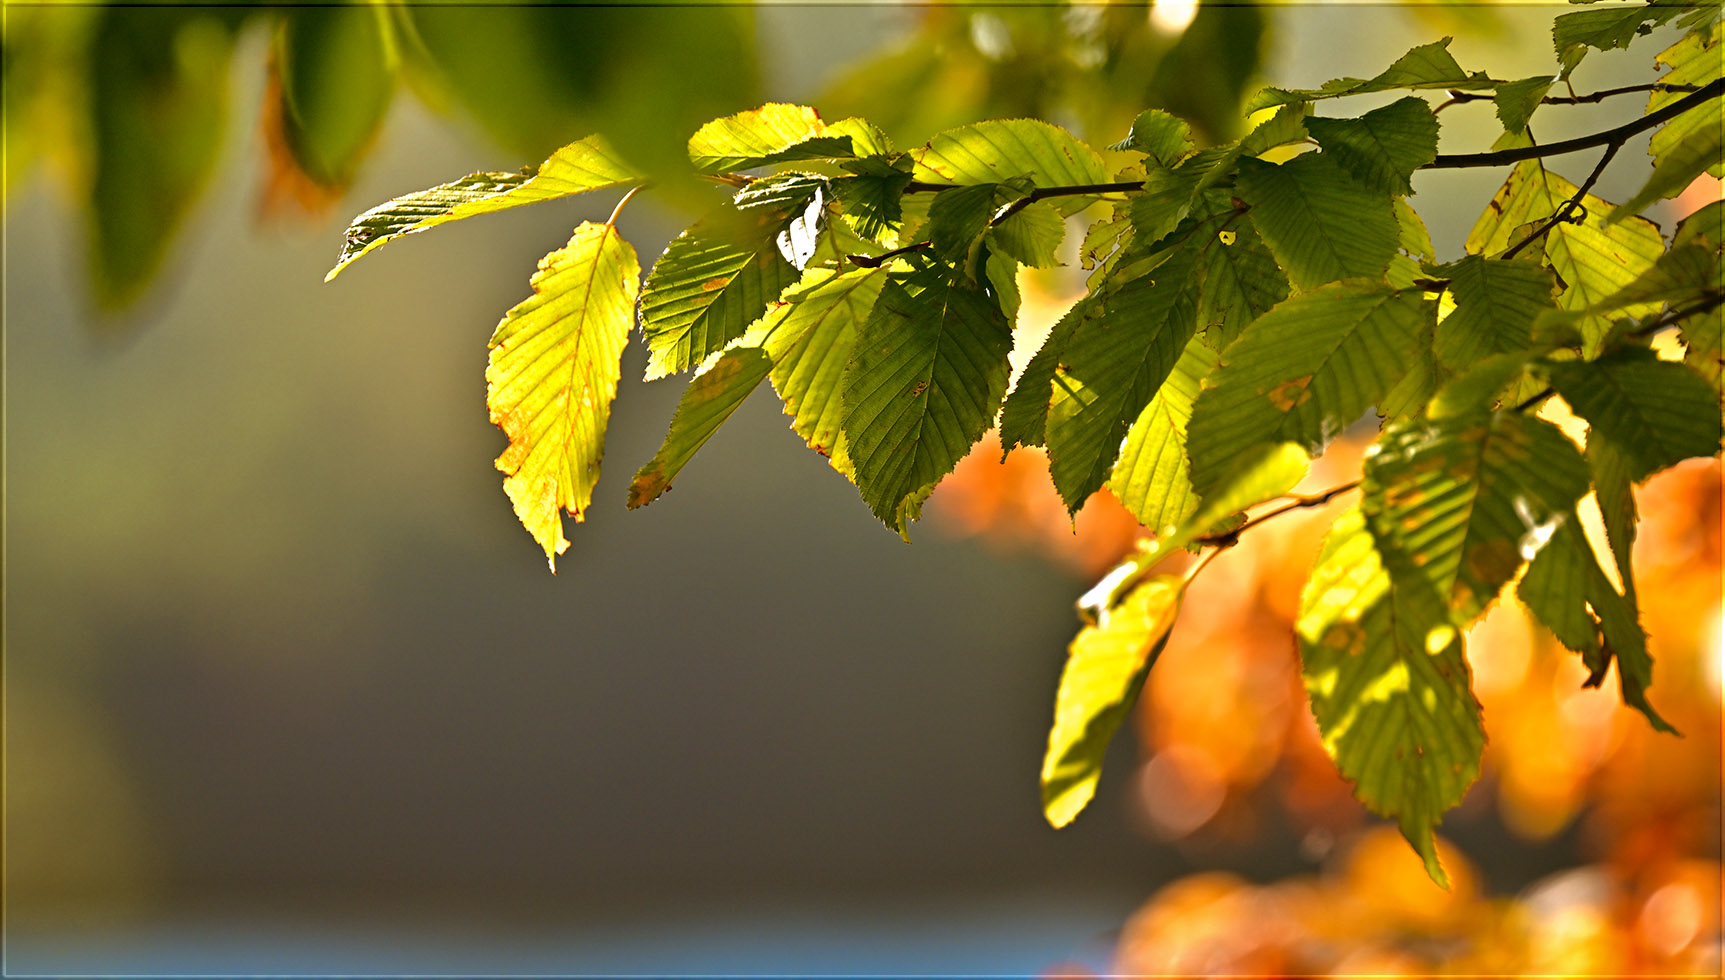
918,388
1291,394
717,282
648,486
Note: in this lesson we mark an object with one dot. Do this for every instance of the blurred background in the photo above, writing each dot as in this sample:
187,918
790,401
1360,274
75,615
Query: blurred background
287,689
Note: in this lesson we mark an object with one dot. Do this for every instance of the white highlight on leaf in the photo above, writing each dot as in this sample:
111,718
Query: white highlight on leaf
1172,17
797,243
1538,533
1093,605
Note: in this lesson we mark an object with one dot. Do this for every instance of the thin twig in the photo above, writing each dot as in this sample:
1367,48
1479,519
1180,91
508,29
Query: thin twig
1568,207
876,261
1573,99
1296,501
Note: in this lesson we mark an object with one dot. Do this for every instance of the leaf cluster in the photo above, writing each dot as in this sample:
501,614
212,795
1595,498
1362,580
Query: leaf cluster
1251,301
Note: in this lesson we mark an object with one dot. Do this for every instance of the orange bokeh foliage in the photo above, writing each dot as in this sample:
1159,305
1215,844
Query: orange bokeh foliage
1648,805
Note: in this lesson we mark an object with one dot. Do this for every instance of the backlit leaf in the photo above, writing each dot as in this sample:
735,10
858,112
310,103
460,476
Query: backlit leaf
716,390
1692,143
1457,504
998,150
774,133
1303,372
337,76
1428,66
553,373
1604,29
582,166
1032,235
1656,413
1150,477
1496,302
1516,101
1241,280
1319,223
1105,669
712,281
1393,707
1382,148
1164,138
813,338
1555,591
1116,359
928,374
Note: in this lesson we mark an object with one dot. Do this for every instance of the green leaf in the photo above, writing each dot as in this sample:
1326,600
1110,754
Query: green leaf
1626,642
1150,477
1319,223
774,133
1690,144
1614,490
1241,280
716,390
1414,239
1024,416
1481,387
872,198
813,337
1303,372
337,75
1496,302
1656,413
157,96
1516,101
1555,591
958,217
1395,714
1031,235
1114,362
1604,29
928,374
1428,66
1164,138
998,150
584,165
712,281
1382,148
553,373
1457,504
1594,260
1105,669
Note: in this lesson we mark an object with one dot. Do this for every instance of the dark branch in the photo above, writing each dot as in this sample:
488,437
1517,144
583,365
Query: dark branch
1228,539
876,261
1500,158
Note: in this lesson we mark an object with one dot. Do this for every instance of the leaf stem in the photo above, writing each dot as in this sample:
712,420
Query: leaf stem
1296,501
619,208
876,261
1618,135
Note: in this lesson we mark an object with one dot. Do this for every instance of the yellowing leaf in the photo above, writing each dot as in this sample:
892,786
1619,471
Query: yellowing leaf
774,133
553,374
1105,669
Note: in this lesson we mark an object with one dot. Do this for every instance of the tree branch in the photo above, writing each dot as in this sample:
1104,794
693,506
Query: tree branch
1296,501
1619,135
1568,207
1600,96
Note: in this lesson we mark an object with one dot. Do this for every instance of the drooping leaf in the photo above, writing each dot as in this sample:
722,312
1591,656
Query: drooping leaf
1427,66
998,150
811,342
1164,138
337,76
928,374
1382,148
157,98
1302,372
1150,478
1115,361
712,281
1625,642
1320,224
1615,492
1457,504
1496,302
1656,413
584,165
1555,591
1024,416
1605,28
1396,714
774,133
553,373
1516,101
717,390
1105,669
